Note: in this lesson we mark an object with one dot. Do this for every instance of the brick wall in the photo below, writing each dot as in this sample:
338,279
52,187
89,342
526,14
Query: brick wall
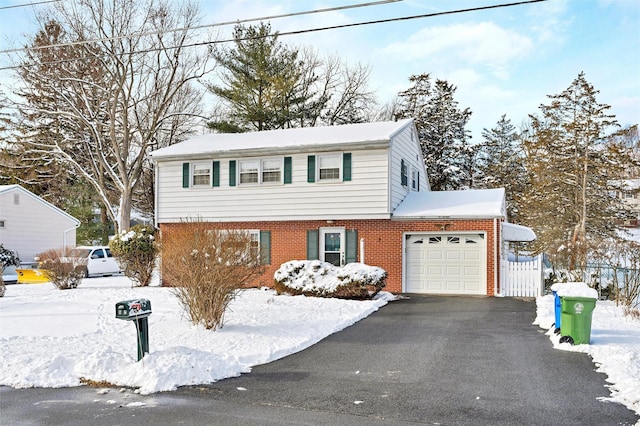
382,240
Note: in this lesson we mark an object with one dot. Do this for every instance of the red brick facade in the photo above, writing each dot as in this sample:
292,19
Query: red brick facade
382,242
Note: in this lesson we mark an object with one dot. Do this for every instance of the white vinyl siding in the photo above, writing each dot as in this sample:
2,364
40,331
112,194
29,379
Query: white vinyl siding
33,225
364,196
405,150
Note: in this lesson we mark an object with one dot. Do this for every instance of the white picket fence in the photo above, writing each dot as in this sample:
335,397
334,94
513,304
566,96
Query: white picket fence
521,279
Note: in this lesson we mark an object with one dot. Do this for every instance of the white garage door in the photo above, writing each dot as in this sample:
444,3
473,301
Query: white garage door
446,264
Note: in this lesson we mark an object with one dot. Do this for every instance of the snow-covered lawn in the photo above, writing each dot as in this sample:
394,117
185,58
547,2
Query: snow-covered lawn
614,347
52,338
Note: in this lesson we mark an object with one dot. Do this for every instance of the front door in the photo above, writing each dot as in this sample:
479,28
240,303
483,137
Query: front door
332,244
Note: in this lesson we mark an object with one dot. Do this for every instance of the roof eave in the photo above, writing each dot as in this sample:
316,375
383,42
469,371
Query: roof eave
274,150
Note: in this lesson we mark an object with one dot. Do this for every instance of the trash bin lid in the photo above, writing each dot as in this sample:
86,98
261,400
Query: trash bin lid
575,289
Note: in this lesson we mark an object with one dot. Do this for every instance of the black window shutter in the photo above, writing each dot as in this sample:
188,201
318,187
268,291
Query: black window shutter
311,168
313,247
185,175
287,169
265,247
232,173
346,166
351,247
216,173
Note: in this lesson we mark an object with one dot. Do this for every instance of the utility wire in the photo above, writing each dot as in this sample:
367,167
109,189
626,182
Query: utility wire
297,32
28,4
199,27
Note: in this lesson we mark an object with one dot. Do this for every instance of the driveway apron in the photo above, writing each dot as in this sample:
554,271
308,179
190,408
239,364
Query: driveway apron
435,360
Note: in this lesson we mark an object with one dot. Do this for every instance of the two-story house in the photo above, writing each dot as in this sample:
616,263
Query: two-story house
350,193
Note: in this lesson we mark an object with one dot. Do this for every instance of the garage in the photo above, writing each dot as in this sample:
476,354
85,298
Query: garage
446,263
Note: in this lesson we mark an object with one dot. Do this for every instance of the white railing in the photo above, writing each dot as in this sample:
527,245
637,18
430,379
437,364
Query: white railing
521,279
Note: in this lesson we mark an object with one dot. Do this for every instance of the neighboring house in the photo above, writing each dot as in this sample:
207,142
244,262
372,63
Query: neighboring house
630,195
340,194
31,225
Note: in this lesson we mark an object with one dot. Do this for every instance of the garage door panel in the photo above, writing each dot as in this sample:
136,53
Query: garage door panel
446,264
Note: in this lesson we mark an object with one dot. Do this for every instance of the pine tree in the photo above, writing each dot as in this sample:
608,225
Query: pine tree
500,163
569,202
264,84
441,131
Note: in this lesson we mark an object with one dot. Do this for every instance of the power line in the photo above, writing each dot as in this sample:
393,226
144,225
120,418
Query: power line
303,31
199,27
28,4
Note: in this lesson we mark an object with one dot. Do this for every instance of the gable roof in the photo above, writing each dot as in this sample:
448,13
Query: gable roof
9,188
467,204
298,139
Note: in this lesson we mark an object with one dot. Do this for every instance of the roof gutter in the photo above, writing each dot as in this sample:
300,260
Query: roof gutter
274,150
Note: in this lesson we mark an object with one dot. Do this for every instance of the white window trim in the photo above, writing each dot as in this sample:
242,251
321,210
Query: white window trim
339,156
192,174
260,161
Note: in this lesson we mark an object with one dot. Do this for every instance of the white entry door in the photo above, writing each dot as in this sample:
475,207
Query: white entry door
446,264
332,245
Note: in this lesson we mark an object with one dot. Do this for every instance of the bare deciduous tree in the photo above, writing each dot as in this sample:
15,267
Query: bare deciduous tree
120,85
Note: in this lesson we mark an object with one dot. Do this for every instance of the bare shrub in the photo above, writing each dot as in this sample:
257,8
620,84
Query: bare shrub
621,258
64,272
136,251
208,268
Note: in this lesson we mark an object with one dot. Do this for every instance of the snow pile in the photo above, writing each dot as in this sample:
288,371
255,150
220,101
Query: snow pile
614,347
574,289
53,338
323,278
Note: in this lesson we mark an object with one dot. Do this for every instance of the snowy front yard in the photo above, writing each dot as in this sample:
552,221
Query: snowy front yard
52,338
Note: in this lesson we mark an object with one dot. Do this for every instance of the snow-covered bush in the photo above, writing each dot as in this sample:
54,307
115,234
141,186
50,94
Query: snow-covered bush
136,251
7,258
64,272
322,279
208,268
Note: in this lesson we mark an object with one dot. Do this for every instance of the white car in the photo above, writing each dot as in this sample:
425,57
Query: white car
96,260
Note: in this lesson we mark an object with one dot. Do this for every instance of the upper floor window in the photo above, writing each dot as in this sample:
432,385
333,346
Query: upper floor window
414,180
201,174
249,171
266,170
271,170
404,171
329,166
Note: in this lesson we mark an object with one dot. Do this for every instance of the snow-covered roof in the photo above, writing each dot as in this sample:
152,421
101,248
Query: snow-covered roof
8,188
513,232
472,203
326,137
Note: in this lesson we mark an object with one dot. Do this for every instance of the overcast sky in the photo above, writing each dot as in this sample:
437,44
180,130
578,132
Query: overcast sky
503,61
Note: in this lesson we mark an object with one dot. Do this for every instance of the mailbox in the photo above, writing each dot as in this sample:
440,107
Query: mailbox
137,310
133,309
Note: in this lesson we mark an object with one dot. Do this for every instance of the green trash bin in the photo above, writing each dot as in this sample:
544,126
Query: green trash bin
575,321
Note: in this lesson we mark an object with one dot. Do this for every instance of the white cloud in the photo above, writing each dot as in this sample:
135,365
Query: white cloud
483,43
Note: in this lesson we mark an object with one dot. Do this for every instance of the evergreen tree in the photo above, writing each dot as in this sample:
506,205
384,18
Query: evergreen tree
441,131
500,163
569,201
265,84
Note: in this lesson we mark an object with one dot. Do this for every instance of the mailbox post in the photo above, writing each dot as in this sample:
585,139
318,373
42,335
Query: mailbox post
137,310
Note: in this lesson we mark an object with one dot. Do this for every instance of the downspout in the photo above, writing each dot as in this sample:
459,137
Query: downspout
64,237
362,250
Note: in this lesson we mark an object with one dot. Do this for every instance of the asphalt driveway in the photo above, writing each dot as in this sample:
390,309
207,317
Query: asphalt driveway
425,360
